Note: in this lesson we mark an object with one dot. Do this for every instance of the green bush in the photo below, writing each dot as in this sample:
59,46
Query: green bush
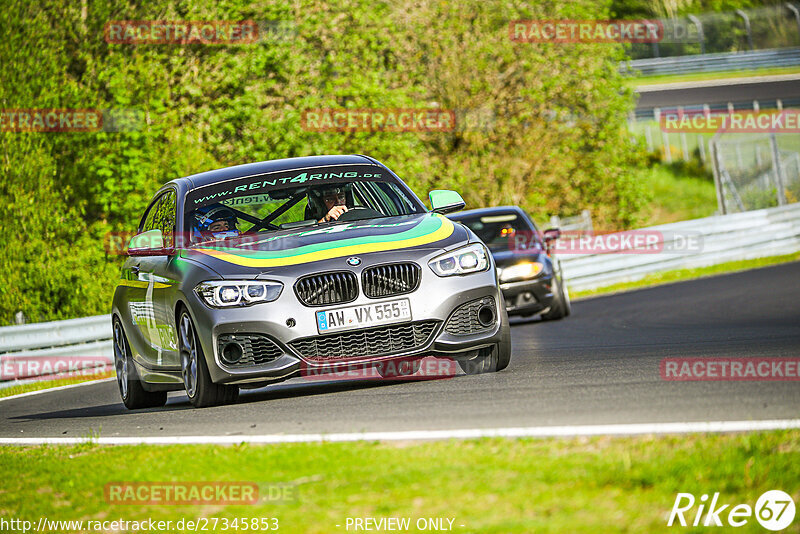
550,134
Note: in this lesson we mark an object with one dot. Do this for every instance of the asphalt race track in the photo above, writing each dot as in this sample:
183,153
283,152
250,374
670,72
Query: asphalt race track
601,365
719,92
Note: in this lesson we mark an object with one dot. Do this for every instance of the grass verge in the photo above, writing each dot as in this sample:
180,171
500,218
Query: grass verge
47,384
677,195
679,275
703,76
491,485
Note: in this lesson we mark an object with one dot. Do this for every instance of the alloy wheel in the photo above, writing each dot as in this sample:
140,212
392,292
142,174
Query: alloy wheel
121,360
188,355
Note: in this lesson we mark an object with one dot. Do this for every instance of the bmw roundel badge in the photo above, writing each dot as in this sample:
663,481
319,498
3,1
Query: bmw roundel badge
353,261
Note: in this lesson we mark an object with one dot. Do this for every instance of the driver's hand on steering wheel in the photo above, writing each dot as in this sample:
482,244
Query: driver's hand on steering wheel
334,213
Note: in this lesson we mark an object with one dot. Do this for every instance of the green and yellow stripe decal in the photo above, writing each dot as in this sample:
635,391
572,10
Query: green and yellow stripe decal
142,284
430,230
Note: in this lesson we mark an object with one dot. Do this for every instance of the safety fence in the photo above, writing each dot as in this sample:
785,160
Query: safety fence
740,31
691,244
721,62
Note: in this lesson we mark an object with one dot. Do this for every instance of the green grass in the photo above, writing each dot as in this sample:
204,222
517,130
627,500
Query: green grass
640,81
47,384
639,128
679,275
676,196
491,485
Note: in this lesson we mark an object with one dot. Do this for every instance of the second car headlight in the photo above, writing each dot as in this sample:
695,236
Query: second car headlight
470,259
521,271
227,293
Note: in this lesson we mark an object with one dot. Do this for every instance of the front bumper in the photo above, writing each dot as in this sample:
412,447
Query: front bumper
287,324
528,296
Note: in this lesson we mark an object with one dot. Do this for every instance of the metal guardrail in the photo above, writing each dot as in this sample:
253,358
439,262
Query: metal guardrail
53,348
653,113
576,222
739,236
729,61
54,333
747,235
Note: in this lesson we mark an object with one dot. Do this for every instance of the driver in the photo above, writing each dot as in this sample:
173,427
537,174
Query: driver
214,222
331,202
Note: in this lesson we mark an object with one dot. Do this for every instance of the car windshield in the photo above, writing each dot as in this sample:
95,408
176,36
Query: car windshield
498,231
295,199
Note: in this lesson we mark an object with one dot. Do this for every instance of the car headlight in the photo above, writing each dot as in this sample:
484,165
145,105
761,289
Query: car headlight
469,259
226,293
521,271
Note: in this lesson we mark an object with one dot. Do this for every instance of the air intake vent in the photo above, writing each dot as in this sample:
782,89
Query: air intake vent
253,349
327,288
468,318
367,343
393,279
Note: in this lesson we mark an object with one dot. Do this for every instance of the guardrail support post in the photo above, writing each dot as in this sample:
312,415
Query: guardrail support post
791,7
742,14
700,35
776,163
684,147
587,220
701,145
648,135
714,150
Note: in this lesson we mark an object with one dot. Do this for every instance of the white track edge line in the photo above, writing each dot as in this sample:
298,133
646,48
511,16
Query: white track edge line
57,388
416,435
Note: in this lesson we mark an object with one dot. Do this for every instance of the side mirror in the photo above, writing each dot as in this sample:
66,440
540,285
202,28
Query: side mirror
150,243
444,201
551,234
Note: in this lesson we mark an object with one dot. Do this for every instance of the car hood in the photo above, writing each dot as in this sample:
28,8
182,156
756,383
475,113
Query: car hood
305,245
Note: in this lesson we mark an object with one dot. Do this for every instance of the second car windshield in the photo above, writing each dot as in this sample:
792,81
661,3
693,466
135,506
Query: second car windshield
497,231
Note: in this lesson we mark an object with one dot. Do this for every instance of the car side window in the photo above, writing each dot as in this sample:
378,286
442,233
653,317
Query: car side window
148,223
162,216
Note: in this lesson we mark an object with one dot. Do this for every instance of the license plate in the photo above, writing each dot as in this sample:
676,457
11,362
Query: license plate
363,315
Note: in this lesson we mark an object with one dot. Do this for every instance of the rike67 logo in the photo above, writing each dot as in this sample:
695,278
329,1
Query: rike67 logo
774,510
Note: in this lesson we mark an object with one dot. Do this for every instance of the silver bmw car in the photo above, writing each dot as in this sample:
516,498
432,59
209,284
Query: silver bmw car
249,275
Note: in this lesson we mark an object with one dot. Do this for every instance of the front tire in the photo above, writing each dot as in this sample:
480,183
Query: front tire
131,391
202,392
491,359
561,306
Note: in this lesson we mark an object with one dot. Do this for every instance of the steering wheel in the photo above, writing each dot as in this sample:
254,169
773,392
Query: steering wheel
359,212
